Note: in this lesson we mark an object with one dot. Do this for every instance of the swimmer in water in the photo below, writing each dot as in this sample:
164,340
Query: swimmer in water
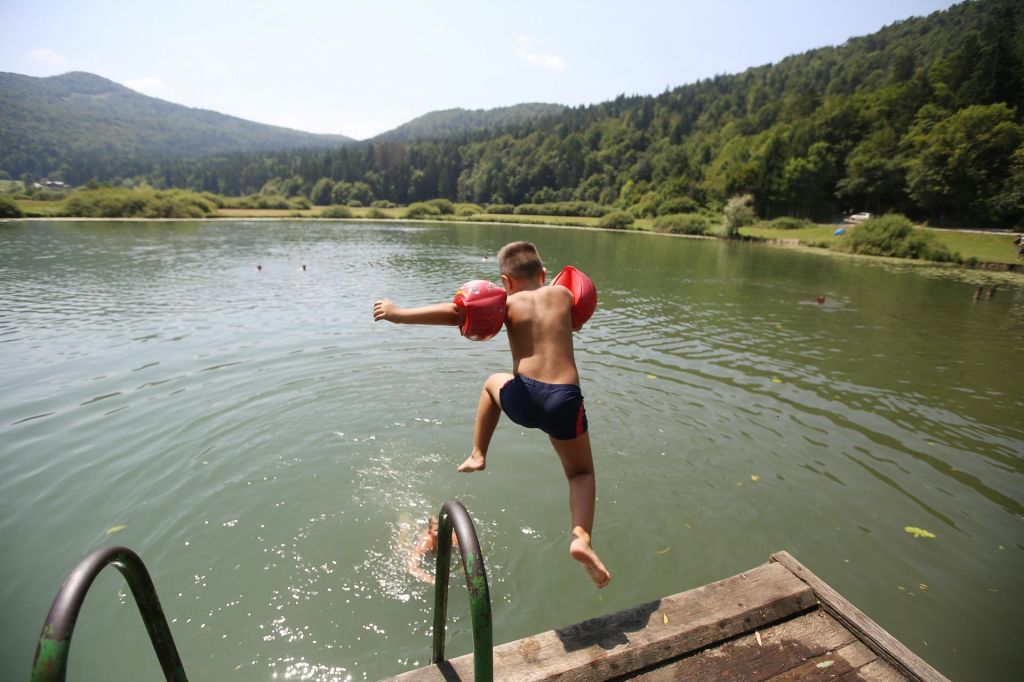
426,543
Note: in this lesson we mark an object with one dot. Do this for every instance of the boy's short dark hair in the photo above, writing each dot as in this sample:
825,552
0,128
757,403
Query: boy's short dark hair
520,260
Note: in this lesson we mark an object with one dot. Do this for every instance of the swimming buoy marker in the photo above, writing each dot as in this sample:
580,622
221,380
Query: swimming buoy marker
484,306
584,294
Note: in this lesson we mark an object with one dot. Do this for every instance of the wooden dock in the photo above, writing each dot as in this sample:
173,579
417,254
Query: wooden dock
775,622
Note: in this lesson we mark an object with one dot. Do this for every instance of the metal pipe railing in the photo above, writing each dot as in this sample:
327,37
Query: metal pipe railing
454,514
51,660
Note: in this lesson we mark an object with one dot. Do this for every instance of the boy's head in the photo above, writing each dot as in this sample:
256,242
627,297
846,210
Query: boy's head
520,263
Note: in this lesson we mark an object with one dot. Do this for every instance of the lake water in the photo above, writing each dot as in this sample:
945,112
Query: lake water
269,450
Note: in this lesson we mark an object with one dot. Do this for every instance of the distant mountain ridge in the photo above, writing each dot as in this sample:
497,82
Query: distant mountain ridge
77,117
452,122
79,121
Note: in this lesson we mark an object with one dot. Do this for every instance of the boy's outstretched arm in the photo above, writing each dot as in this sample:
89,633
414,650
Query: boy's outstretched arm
439,313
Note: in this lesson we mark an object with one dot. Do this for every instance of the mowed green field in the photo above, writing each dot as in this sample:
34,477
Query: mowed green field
987,247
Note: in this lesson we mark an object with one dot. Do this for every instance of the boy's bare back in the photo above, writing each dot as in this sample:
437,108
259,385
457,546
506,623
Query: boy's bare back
539,326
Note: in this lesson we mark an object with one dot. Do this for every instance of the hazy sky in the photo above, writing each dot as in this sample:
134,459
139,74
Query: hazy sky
360,68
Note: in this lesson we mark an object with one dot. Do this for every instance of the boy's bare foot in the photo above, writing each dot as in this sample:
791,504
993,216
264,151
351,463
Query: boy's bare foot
581,551
475,462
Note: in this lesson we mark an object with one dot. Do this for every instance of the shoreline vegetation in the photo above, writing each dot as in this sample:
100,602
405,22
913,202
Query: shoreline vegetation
891,235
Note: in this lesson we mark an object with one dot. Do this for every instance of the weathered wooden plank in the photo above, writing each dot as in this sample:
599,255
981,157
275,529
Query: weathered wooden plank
830,665
875,671
781,647
872,634
620,643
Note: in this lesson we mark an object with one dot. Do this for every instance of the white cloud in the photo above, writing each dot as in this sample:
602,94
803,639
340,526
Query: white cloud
149,85
45,54
548,61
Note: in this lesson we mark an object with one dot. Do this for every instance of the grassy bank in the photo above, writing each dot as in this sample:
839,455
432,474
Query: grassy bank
983,247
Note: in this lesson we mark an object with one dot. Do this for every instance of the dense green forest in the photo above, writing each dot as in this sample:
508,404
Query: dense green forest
923,117
452,122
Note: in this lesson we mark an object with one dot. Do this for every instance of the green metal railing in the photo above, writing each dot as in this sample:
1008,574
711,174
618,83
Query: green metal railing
454,514
51,661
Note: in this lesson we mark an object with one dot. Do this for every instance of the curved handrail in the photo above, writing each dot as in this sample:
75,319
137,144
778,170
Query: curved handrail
51,660
453,513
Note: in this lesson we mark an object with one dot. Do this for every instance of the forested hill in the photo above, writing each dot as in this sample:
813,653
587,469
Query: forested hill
78,119
923,117
454,122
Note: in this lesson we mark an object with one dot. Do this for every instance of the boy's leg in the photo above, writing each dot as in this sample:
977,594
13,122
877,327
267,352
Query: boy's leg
487,413
578,464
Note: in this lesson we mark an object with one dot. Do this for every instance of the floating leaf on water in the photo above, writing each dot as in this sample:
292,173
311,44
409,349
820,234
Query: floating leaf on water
664,551
651,376
755,477
116,529
923,587
825,664
776,380
918,532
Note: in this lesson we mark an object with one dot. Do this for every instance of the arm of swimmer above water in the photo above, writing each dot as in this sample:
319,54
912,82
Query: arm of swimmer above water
440,313
424,545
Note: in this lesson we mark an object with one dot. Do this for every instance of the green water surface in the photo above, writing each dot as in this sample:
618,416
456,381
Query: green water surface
269,451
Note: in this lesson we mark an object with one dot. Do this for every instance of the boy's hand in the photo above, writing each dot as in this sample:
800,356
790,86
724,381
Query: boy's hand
383,310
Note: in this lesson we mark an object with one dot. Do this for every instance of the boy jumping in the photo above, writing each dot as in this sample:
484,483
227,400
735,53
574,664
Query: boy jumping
543,390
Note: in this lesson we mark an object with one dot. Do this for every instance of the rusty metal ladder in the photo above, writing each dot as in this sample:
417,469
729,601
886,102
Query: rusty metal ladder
51,660
454,514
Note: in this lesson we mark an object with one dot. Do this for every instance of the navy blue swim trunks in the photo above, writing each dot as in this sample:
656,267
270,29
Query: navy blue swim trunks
555,409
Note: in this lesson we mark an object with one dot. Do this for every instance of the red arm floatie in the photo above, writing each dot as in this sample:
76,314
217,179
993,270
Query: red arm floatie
584,294
484,305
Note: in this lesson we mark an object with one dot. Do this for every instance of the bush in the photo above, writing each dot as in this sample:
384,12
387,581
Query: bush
616,220
258,201
383,203
355,203
215,199
376,213
583,209
787,223
677,205
467,210
682,223
443,206
422,209
142,202
894,235
739,211
321,192
9,207
301,203
501,209
336,211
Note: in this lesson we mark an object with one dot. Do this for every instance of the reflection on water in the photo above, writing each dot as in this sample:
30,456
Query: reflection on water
270,451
